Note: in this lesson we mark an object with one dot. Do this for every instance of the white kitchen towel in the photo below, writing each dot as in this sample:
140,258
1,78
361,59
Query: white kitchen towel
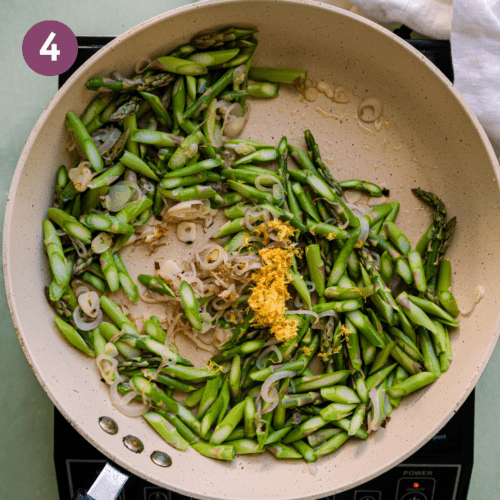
430,17
474,29
475,47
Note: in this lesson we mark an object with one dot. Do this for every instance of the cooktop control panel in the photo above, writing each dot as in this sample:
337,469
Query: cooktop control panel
410,482
404,482
440,470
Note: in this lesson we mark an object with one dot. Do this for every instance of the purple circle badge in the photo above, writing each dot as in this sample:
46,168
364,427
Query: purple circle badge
50,48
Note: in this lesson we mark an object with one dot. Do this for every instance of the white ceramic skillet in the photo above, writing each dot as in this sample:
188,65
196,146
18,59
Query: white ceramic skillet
429,139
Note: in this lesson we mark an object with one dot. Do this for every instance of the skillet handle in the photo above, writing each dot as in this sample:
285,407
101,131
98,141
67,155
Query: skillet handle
107,486
81,495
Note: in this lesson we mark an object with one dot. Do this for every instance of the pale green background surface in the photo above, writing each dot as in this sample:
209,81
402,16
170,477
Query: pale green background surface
26,413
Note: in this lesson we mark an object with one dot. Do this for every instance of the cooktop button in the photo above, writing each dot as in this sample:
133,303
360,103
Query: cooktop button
414,496
158,496
368,495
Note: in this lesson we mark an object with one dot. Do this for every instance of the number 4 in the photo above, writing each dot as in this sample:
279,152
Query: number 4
53,52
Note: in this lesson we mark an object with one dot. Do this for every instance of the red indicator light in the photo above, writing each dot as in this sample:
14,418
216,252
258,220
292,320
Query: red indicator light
416,485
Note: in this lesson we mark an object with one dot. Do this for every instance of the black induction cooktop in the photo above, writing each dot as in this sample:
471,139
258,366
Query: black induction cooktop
440,470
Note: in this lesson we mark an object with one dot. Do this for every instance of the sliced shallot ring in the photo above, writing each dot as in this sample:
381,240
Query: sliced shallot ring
304,311
81,289
109,138
364,229
264,392
274,401
218,307
264,353
228,157
298,302
221,257
229,110
234,113
116,336
340,95
125,404
272,342
373,103
186,232
249,213
119,197
89,304
325,314
170,267
186,209
372,425
107,373
278,192
223,105
344,225
234,127
81,176
83,325
165,362
101,242
352,196
356,208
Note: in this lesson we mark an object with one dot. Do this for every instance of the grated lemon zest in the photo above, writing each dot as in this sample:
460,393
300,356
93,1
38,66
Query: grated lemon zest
345,332
213,366
233,317
246,237
284,231
269,292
